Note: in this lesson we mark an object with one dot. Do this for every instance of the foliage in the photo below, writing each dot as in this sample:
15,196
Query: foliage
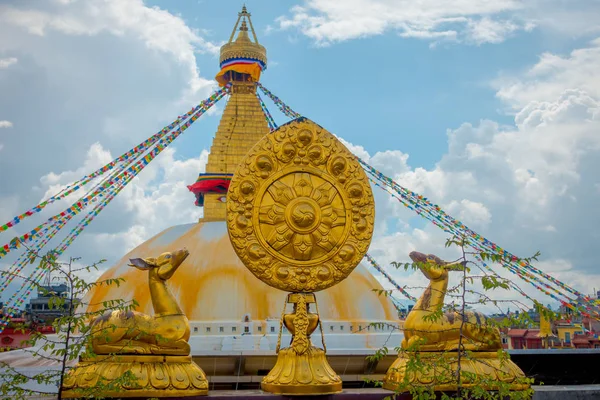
73,333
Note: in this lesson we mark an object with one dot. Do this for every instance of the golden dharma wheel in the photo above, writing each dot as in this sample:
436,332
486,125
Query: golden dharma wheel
300,211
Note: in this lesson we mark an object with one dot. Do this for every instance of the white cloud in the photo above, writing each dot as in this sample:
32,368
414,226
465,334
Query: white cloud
158,29
150,203
7,62
531,186
473,213
4,124
96,157
356,149
552,76
328,21
487,30
104,71
478,21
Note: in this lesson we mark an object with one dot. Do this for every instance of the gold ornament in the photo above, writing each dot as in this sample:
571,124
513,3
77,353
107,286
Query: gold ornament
302,368
300,215
435,342
300,210
154,348
438,369
155,376
243,47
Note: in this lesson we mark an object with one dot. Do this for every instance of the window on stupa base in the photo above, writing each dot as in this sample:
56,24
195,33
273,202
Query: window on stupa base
195,329
207,329
233,329
272,329
221,329
260,328
246,329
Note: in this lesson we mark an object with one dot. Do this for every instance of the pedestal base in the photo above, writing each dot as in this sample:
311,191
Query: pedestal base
438,369
304,374
156,376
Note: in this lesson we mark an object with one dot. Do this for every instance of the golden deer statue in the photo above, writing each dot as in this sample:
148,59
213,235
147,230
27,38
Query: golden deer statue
438,346
154,349
131,332
443,333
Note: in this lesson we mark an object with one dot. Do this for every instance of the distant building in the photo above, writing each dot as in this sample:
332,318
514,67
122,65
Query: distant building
41,308
586,342
566,331
524,339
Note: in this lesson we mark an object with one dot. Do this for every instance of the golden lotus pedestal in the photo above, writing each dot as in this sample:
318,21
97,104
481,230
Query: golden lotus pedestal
301,369
438,369
155,376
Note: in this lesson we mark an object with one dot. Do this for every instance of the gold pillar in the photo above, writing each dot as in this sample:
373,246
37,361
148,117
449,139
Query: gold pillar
301,368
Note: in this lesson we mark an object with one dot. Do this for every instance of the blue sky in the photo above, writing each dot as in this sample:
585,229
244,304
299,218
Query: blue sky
359,89
491,109
400,93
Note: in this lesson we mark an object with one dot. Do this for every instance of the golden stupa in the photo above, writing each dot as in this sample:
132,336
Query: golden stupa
223,307
213,284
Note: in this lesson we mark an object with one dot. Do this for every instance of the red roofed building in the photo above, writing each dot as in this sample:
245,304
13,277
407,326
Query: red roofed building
586,342
524,339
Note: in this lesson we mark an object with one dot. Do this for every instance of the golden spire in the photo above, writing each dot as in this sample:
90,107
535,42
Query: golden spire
242,55
243,122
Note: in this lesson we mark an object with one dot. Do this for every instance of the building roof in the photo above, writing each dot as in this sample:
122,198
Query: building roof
517,332
532,334
580,340
524,333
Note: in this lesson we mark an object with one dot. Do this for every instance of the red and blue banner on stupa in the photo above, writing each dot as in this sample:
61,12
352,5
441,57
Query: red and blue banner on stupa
249,66
210,183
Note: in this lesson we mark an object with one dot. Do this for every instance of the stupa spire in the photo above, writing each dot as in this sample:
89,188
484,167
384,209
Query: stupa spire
242,58
243,122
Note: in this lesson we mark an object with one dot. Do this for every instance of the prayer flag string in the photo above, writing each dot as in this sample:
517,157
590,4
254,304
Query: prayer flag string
387,276
268,117
280,104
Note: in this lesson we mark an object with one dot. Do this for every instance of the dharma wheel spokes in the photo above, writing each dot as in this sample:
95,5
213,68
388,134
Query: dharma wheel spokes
300,215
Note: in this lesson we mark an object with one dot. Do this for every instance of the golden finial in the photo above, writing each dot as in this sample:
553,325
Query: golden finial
242,50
